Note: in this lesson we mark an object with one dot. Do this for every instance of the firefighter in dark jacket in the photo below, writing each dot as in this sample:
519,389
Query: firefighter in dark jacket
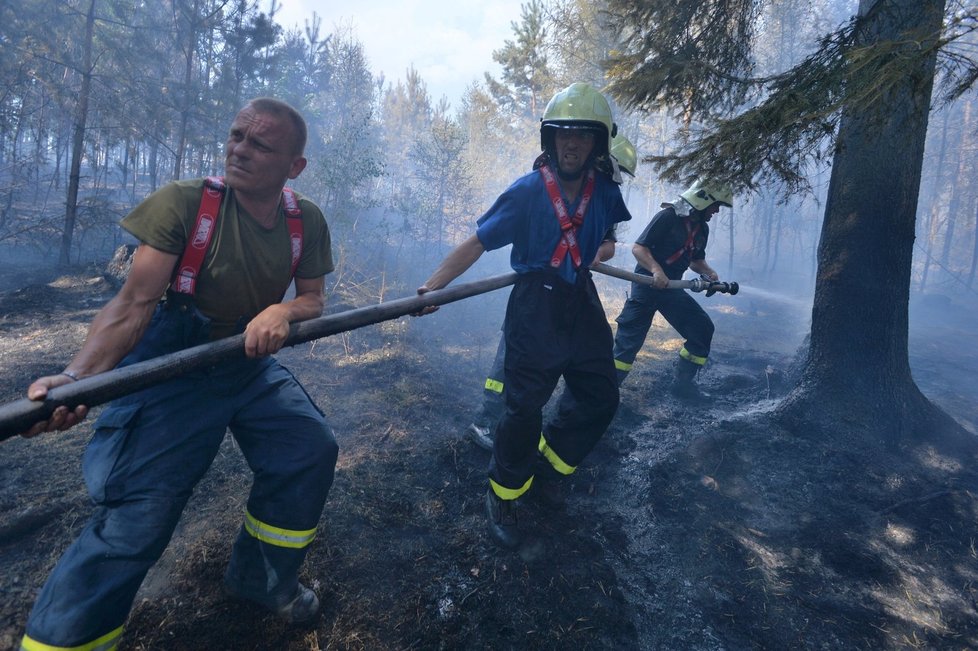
675,240
556,217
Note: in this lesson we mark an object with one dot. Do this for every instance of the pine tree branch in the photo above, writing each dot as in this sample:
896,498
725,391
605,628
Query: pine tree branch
790,118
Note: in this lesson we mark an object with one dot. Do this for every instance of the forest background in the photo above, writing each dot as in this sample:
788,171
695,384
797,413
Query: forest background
103,102
852,142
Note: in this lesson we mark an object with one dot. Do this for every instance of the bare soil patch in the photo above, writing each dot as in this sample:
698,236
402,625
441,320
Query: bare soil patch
688,528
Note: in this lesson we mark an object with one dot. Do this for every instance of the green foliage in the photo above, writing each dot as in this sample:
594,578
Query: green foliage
443,181
958,63
494,143
526,71
344,144
694,58
302,65
581,40
407,113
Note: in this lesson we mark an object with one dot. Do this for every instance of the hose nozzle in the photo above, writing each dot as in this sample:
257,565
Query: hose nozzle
711,287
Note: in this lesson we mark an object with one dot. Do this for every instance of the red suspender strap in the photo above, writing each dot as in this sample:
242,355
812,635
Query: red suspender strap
192,260
568,225
688,246
185,281
293,216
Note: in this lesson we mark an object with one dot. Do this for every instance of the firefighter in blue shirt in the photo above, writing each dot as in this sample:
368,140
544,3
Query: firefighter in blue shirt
556,217
481,432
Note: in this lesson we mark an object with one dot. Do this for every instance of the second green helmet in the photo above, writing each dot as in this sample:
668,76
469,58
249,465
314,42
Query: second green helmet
704,193
624,152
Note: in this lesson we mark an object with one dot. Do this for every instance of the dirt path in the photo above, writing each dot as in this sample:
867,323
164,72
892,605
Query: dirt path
686,529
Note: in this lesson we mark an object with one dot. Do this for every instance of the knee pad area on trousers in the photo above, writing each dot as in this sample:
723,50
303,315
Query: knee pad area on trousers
323,460
323,453
528,419
137,528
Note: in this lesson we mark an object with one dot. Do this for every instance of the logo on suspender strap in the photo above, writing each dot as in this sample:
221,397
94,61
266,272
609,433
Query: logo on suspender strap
691,233
188,269
192,260
568,225
293,219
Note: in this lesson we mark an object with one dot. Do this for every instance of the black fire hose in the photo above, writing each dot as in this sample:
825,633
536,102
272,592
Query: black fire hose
20,415
700,284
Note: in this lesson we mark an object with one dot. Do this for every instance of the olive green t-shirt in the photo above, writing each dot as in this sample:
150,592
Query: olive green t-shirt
247,267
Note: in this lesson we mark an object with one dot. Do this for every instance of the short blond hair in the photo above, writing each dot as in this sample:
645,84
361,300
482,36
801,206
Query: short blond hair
278,108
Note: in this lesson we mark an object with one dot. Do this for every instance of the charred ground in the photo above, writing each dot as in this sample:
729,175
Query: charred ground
687,528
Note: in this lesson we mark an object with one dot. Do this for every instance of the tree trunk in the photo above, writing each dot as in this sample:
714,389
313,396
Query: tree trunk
192,16
78,139
58,156
931,207
777,239
953,206
959,181
856,378
730,252
765,220
974,252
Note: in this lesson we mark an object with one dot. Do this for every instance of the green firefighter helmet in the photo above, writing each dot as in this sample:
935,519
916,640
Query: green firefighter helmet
624,152
579,106
704,193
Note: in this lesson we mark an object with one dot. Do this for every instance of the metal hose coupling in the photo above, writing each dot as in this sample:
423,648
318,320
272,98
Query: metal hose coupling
711,287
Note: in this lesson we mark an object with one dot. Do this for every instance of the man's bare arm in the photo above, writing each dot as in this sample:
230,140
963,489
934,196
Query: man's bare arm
704,269
114,332
267,332
454,265
605,252
645,258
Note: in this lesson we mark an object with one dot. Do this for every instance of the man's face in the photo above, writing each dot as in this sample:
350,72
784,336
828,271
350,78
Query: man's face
260,155
710,210
574,146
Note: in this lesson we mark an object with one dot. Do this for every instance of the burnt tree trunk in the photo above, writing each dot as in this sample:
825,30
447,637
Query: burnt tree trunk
78,140
974,252
931,223
856,379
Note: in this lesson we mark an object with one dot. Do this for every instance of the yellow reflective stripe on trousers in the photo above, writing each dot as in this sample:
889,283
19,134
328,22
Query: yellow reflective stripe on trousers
555,461
504,493
622,366
696,359
494,385
276,535
107,642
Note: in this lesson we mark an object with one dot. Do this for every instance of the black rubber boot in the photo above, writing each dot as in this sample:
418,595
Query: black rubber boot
548,485
501,515
481,435
302,609
684,384
620,376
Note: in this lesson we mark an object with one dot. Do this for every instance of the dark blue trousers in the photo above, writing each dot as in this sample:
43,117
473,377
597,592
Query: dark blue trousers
677,307
552,330
148,452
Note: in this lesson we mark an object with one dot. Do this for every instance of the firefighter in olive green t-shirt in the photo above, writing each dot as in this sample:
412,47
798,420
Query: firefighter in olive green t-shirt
220,255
